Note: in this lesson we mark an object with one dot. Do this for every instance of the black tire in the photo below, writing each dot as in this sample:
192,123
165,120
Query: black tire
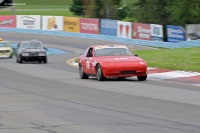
99,73
11,56
142,78
40,61
20,60
121,78
45,60
82,74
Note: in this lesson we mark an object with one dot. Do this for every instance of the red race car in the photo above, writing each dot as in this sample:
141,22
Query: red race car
111,61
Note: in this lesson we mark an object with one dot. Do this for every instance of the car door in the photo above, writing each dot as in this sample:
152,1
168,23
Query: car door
89,61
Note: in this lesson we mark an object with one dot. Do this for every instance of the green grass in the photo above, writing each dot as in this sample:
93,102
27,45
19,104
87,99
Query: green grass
187,59
47,12
42,4
40,7
45,4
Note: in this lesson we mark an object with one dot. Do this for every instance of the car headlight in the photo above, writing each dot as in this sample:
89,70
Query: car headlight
25,54
141,63
42,54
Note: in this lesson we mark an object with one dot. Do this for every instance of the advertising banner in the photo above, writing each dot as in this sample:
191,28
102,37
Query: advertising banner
8,21
124,29
89,25
193,31
71,24
52,22
109,27
141,31
156,32
175,33
28,21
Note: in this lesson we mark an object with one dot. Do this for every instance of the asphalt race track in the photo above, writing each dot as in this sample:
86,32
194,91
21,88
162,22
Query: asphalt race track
50,98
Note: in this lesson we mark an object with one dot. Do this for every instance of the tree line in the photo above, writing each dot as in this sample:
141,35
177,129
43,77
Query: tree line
164,12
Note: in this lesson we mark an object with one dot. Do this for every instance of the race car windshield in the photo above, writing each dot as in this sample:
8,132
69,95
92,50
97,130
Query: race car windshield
4,44
112,52
32,45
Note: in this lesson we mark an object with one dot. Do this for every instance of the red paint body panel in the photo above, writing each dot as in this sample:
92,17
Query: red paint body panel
114,66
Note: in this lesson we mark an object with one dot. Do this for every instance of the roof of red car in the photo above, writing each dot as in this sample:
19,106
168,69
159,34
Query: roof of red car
109,45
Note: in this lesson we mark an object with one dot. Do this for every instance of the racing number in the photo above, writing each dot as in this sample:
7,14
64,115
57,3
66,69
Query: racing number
88,64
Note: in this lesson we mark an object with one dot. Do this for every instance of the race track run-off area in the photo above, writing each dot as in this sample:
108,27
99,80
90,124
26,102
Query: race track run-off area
51,98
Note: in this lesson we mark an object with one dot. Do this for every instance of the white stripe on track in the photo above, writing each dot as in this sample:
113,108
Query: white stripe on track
170,75
196,85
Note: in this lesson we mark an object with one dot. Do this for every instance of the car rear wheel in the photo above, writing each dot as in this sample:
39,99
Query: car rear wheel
99,73
142,78
82,74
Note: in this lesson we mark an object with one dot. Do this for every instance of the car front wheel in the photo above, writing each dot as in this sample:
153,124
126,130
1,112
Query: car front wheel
20,60
142,78
99,73
82,74
45,60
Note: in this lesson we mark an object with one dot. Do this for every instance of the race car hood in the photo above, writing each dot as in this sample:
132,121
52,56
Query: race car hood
6,48
122,59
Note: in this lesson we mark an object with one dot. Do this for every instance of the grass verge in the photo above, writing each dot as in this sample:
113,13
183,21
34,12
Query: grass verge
187,59
39,12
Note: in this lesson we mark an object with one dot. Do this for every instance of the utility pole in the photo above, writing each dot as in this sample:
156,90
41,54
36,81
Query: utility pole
13,7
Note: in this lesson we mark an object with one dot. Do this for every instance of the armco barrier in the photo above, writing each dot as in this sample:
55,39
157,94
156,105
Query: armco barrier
184,44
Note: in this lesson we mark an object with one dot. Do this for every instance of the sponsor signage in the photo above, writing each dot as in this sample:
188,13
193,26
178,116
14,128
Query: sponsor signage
141,31
52,22
193,31
156,32
109,27
124,29
8,21
71,24
175,33
28,21
89,25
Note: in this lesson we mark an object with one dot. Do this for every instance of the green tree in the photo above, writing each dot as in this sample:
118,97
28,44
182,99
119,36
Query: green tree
184,12
149,11
77,7
165,12
101,9
89,8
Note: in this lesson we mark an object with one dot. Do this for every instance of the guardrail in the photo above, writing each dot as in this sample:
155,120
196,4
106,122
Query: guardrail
184,44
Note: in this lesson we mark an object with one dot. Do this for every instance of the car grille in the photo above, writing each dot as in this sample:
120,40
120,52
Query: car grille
128,72
4,51
33,54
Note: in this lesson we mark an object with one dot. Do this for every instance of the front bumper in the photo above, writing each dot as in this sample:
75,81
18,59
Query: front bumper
33,58
5,55
125,71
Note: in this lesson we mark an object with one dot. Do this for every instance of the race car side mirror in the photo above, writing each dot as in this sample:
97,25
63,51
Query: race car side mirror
136,55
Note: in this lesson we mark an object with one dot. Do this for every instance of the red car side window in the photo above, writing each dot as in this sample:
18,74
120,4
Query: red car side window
90,53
